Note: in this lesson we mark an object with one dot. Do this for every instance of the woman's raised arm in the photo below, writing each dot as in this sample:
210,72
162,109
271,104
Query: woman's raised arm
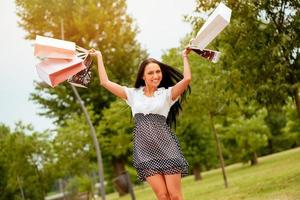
114,88
181,86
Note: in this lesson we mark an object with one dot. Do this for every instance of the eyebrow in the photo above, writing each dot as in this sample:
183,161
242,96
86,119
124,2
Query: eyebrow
158,70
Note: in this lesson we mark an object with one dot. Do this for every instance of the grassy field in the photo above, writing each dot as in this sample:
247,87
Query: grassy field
276,177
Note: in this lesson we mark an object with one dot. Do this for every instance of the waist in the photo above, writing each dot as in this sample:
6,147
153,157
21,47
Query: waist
141,117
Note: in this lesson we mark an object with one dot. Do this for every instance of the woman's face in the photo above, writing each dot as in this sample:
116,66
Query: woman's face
152,75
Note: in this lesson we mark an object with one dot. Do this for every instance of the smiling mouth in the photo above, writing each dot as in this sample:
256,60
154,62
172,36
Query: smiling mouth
155,81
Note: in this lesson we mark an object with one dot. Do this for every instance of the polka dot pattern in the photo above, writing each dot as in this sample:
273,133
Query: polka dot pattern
156,149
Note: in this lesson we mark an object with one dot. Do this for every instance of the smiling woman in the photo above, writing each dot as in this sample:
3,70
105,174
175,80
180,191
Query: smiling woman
155,102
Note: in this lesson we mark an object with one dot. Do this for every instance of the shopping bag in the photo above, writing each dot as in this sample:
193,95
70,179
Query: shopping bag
83,78
215,23
54,71
208,54
53,48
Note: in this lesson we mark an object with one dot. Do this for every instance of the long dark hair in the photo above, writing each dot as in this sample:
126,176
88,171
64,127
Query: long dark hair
170,76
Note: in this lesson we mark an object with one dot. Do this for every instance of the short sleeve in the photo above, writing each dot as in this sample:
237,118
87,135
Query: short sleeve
169,97
129,93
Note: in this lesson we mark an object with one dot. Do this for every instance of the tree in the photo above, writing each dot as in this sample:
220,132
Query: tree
262,44
23,159
4,133
73,148
115,135
249,134
80,184
214,98
94,23
196,143
291,132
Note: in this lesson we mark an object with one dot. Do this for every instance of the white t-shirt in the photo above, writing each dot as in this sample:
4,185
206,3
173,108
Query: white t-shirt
160,103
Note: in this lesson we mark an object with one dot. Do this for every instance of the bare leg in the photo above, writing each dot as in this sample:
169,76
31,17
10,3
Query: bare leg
173,183
158,184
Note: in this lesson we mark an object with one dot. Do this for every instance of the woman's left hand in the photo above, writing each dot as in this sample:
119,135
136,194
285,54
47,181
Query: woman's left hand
185,53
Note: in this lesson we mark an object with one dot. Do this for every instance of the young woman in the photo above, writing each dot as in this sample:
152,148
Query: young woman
154,102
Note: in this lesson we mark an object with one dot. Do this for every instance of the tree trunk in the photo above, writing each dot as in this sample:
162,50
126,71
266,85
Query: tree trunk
270,146
118,166
254,160
197,172
297,101
21,188
120,181
221,159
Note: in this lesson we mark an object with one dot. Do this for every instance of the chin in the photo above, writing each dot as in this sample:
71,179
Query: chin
156,84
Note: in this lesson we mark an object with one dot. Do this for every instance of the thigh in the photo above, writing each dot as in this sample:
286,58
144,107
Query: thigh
173,183
158,184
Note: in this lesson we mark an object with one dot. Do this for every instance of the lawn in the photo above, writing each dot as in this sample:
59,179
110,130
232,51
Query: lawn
276,177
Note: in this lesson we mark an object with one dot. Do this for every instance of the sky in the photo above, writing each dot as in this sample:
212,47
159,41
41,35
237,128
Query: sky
161,27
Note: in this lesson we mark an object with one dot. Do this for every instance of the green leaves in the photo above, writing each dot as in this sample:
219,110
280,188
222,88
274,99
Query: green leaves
249,133
24,157
258,42
115,130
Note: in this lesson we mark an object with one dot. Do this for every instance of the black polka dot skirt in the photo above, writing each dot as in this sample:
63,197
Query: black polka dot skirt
156,149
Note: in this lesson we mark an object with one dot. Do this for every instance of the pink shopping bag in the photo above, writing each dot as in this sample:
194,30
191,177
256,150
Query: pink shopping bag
54,71
54,48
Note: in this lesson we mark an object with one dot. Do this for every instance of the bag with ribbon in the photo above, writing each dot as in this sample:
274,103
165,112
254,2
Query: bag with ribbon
83,78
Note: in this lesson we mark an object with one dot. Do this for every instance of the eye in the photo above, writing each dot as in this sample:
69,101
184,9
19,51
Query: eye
151,72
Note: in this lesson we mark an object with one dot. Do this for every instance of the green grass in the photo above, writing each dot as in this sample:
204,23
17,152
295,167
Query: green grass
276,177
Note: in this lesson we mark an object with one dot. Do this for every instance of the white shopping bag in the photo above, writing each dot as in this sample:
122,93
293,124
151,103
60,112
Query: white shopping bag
215,23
